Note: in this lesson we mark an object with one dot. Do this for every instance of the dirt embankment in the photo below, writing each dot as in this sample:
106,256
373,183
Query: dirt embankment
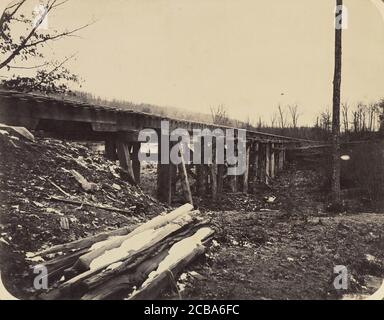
31,172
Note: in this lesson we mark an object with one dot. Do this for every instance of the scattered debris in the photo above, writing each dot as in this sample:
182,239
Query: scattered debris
95,205
270,199
116,187
87,186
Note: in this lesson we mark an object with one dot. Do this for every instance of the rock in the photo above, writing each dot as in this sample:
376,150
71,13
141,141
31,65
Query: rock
87,186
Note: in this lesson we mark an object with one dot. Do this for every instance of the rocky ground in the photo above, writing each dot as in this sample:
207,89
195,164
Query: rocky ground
31,172
282,249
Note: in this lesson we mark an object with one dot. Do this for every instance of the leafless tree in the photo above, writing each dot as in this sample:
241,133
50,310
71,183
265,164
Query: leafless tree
220,115
293,110
345,116
325,120
273,119
260,123
248,123
373,111
336,192
282,117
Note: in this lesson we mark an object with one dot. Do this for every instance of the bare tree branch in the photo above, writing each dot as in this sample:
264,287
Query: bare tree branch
25,44
31,67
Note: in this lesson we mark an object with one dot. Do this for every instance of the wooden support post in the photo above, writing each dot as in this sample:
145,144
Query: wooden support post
164,173
110,148
220,179
277,159
203,173
213,172
262,162
213,168
246,173
272,164
184,179
267,162
173,181
200,179
281,160
123,153
135,161
256,173
233,179
256,177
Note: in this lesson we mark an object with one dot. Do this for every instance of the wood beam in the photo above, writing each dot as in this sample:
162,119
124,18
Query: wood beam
267,162
272,161
256,164
110,149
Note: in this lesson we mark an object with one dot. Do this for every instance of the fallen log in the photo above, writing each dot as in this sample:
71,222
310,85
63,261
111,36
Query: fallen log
180,255
98,249
85,242
130,265
118,264
120,284
107,254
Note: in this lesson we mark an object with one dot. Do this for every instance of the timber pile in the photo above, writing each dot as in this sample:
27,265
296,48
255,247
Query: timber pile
127,263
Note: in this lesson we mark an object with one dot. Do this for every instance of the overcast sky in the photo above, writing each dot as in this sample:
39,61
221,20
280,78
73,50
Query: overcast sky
249,55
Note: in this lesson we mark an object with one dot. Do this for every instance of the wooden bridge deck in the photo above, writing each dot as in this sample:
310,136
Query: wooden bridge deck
36,111
119,129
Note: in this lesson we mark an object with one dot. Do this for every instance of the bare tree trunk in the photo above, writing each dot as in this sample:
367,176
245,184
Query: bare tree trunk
336,197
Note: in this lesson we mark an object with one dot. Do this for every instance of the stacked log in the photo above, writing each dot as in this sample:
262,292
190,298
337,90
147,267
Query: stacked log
132,263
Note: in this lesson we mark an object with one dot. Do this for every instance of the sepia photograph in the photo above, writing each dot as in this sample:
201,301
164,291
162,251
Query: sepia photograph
191,154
